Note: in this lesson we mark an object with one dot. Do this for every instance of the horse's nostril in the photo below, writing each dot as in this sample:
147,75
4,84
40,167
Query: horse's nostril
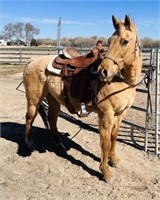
104,73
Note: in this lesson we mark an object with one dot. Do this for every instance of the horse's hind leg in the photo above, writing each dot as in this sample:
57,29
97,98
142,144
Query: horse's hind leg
32,110
34,99
53,113
30,116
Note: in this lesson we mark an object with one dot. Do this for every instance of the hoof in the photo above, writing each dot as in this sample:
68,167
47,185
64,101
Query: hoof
108,180
107,175
60,147
30,144
113,162
115,165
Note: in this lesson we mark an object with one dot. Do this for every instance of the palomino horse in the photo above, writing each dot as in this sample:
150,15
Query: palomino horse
114,91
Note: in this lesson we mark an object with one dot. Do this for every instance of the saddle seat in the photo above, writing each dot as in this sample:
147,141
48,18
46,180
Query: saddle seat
70,52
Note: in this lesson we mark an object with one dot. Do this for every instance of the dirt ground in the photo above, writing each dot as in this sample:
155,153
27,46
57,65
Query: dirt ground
46,174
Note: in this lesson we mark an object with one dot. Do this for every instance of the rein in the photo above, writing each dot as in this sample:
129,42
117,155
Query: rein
119,70
132,84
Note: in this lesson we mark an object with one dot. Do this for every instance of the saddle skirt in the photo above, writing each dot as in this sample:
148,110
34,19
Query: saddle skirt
52,69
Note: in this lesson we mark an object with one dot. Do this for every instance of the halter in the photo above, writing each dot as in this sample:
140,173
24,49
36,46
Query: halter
137,45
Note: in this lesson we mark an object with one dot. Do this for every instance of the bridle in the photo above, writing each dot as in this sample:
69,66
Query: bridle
119,74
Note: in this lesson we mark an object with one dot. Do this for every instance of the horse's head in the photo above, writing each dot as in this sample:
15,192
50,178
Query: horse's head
122,46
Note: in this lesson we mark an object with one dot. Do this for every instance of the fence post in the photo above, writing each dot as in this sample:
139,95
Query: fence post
20,56
49,52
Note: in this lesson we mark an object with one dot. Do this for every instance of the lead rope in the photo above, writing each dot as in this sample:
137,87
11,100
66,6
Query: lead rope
17,88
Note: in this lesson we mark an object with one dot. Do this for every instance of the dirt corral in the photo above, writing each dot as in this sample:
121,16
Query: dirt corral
47,174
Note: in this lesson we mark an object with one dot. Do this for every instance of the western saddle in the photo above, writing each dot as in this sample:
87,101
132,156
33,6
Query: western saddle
77,72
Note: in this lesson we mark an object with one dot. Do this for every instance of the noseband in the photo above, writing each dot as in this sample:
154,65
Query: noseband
137,45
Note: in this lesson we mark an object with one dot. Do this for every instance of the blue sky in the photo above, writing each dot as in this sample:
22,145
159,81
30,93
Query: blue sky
84,18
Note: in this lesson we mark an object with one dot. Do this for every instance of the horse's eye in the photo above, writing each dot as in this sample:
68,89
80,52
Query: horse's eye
124,42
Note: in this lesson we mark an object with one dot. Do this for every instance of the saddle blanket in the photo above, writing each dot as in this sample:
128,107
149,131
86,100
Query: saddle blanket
52,69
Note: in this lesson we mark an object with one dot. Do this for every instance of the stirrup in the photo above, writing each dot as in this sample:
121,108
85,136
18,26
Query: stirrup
83,112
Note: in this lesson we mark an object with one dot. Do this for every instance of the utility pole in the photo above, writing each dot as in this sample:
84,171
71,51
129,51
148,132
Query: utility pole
58,35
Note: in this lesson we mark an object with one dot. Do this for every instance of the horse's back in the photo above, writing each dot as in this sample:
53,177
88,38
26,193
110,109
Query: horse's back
38,63
34,76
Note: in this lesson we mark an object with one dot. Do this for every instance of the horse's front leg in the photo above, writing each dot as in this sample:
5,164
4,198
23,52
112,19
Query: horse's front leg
105,126
113,159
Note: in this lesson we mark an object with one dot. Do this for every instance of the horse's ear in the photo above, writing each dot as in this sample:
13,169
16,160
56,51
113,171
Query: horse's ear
115,22
127,22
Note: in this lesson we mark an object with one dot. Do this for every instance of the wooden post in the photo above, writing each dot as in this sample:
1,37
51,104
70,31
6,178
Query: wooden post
20,56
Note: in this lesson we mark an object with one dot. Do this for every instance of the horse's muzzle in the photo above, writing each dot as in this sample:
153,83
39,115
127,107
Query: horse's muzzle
106,75
103,75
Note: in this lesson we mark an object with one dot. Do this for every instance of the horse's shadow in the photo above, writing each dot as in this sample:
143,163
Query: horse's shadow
43,141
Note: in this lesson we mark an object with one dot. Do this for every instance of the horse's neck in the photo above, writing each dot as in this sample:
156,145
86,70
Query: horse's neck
132,71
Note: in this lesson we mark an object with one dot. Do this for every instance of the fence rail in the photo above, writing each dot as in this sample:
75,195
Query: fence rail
14,55
21,55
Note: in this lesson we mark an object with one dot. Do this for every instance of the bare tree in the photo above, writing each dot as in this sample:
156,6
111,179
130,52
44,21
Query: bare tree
8,32
30,31
19,31
91,41
1,36
72,41
156,44
79,41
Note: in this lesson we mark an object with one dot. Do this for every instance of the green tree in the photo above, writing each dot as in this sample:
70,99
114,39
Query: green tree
33,42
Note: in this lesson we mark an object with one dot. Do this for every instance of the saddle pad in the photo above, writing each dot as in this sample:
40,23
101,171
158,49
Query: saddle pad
52,69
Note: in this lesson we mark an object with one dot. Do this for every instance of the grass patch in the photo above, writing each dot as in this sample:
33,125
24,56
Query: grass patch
10,69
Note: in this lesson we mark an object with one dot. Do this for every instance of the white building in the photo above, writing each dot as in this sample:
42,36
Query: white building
3,43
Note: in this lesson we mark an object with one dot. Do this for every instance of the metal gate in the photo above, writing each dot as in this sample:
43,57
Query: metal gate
157,104
150,130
